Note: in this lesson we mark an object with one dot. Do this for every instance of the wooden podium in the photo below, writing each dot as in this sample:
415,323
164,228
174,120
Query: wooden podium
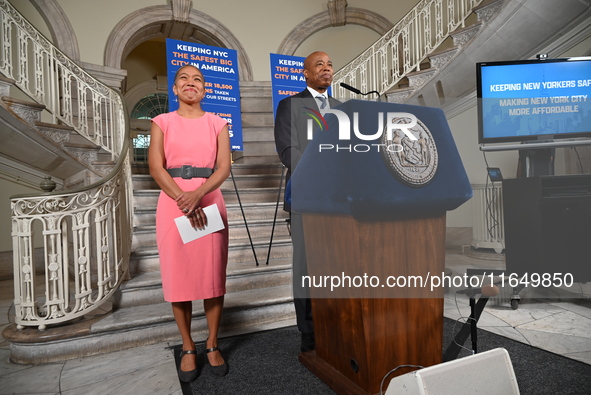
374,222
361,338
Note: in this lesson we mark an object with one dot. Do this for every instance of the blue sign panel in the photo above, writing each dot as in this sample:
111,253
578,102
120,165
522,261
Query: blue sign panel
287,77
222,88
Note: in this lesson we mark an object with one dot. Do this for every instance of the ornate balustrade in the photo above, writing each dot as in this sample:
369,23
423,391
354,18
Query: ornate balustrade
49,77
404,47
86,233
86,243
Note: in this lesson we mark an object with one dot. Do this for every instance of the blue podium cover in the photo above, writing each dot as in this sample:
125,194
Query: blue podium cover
355,178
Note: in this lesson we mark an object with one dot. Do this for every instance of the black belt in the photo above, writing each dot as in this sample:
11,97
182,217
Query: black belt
187,172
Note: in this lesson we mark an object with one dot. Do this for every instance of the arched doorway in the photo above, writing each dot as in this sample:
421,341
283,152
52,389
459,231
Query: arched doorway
137,45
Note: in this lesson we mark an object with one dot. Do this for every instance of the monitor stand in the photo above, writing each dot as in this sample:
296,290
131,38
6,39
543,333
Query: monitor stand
535,162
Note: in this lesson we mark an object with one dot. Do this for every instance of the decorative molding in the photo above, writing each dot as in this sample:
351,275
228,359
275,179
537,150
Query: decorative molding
5,85
399,95
462,36
181,10
59,26
60,136
336,10
155,21
109,76
353,16
103,169
55,136
485,12
84,155
442,58
27,111
420,78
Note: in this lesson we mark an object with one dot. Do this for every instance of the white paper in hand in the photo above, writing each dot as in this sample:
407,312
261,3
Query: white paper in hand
214,223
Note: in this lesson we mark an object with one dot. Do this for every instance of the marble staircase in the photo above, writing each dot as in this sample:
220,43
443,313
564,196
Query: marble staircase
497,30
32,142
259,288
408,90
259,296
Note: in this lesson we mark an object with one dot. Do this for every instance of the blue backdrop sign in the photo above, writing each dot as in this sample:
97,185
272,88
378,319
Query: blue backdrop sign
222,87
287,77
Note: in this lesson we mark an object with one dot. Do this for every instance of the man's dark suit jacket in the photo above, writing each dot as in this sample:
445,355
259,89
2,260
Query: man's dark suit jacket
291,127
291,140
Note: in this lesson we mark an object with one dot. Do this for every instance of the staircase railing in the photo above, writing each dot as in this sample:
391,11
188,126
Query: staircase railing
48,76
85,233
403,49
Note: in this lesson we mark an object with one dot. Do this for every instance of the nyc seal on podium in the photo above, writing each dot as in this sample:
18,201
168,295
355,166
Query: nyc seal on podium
416,163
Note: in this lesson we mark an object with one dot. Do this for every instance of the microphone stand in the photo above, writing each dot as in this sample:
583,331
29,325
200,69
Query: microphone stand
376,92
469,328
275,216
476,309
254,253
357,91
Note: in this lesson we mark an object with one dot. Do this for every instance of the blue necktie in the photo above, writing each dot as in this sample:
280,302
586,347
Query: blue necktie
322,101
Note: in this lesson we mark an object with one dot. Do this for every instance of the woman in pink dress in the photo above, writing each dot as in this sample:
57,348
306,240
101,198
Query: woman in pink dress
189,158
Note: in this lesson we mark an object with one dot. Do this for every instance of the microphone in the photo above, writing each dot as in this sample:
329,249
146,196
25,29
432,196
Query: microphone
349,87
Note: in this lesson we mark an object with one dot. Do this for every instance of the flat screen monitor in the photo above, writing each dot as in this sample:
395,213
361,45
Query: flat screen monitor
534,99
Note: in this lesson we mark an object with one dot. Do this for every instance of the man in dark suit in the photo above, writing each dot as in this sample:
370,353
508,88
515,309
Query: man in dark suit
291,139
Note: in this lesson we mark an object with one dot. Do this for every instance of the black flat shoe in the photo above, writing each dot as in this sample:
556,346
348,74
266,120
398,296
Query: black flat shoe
191,375
220,370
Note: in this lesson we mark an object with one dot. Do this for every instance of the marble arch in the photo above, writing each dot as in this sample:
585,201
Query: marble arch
355,16
59,25
158,21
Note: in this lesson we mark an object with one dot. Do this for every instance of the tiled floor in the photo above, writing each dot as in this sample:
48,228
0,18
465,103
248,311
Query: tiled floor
558,320
560,325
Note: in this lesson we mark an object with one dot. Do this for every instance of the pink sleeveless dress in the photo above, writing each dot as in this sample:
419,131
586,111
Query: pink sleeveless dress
196,270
